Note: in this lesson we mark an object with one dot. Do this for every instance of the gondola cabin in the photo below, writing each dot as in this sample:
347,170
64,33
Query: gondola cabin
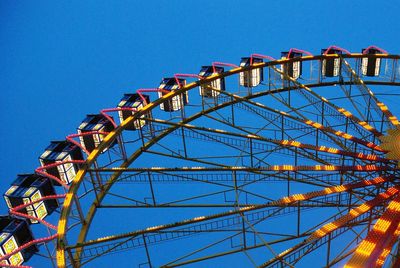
60,151
94,123
136,102
219,84
292,68
15,232
370,66
253,77
29,188
175,103
331,66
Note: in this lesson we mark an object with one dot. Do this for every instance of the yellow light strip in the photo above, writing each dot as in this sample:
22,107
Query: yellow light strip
331,150
381,260
341,110
364,124
352,214
328,168
342,134
381,105
371,251
335,189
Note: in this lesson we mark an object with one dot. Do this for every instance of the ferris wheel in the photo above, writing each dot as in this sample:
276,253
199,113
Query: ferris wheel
286,162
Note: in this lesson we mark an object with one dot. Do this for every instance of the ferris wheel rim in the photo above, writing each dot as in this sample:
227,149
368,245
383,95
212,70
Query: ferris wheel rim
63,219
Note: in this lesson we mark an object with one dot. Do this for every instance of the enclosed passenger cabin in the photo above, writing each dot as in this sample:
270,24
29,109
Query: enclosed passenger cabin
253,77
218,84
331,66
293,68
59,151
94,122
370,66
136,102
29,188
175,103
14,233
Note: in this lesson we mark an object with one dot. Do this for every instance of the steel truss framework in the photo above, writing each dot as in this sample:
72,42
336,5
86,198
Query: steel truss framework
266,176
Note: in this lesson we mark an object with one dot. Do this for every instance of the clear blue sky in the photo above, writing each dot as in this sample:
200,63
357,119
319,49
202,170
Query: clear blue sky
60,60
